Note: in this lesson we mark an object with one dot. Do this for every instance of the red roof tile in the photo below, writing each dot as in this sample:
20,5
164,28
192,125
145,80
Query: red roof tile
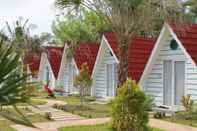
139,52
33,61
86,53
54,55
187,34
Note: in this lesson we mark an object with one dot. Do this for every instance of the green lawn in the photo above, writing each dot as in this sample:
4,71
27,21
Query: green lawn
93,128
39,94
180,118
181,121
89,110
68,99
33,102
34,117
5,124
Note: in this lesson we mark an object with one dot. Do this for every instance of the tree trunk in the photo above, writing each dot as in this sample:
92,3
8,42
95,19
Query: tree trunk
123,62
81,96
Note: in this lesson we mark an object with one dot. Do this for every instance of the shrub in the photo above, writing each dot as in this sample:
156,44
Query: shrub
129,108
90,98
83,82
188,104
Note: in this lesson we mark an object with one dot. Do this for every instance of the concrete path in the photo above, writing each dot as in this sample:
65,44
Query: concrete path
56,115
168,126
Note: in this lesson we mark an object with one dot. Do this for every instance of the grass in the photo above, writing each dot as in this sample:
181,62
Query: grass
68,99
181,121
33,102
89,110
180,118
93,128
5,124
40,94
33,117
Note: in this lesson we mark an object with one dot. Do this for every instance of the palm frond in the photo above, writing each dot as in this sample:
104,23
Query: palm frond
14,84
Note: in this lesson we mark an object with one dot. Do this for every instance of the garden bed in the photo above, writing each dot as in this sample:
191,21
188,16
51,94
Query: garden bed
88,110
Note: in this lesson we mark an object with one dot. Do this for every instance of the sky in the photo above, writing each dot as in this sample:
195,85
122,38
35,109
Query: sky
39,12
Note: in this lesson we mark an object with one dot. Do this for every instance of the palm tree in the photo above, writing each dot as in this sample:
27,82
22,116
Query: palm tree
127,19
13,83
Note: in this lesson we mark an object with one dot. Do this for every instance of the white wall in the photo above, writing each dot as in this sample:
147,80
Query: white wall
100,75
153,83
43,69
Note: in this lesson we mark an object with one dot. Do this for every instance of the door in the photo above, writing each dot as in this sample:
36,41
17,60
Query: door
111,79
47,74
167,83
70,78
179,81
66,78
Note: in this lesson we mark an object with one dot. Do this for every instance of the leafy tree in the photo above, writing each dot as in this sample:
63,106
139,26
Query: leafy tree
85,27
191,9
14,84
128,18
75,29
83,81
129,108
47,38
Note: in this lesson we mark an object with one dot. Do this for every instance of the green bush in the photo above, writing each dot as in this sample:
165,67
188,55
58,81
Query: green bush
129,108
89,98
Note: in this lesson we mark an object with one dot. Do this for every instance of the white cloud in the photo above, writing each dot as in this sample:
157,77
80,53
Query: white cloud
39,12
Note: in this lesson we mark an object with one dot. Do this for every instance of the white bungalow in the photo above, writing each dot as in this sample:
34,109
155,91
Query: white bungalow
85,53
67,72
171,71
105,70
50,65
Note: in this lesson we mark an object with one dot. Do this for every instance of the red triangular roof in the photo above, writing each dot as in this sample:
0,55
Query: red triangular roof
54,55
32,59
139,52
86,53
187,34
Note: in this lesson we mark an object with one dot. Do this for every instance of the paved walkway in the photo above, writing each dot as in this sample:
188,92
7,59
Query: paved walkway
168,126
56,115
